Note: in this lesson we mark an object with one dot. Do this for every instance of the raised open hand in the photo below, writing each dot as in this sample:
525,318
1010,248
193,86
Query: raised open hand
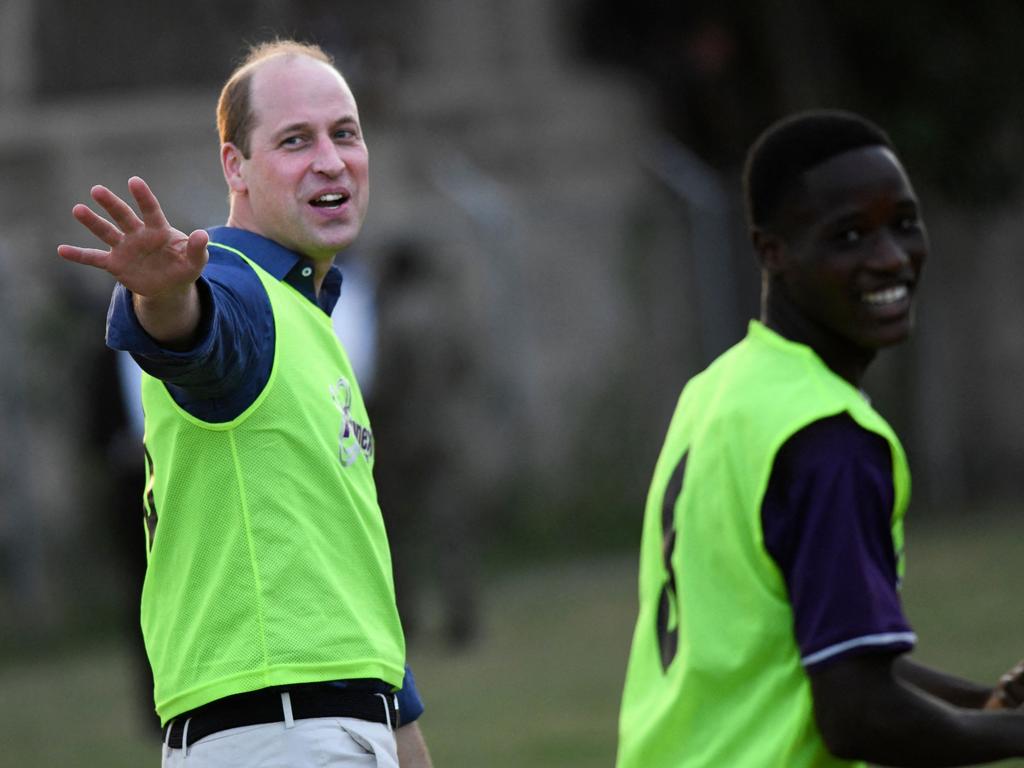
147,255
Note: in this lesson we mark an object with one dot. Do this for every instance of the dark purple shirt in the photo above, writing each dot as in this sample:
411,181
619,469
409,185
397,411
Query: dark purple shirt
826,518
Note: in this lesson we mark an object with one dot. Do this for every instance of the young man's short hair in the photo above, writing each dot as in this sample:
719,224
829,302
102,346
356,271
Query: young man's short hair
793,145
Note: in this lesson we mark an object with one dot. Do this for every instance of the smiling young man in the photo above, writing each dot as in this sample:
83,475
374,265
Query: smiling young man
268,608
770,630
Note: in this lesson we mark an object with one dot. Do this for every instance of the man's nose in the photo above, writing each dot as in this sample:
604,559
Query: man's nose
327,159
889,253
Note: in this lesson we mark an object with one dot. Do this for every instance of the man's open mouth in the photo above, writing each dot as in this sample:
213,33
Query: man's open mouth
885,296
330,200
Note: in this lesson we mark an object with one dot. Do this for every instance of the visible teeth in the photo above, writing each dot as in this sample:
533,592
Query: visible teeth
332,198
886,296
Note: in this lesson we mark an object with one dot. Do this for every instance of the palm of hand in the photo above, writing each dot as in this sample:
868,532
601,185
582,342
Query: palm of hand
151,261
147,255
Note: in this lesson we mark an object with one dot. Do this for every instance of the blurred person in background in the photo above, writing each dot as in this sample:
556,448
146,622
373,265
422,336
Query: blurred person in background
115,433
268,607
771,630
422,408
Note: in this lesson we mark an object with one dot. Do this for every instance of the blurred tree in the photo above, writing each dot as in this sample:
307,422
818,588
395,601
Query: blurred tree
942,78
937,75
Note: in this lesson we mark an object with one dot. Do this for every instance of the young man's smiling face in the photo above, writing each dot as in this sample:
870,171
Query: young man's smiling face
305,184
853,246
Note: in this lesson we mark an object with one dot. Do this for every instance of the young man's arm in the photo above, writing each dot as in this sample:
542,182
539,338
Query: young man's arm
826,519
954,690
866,711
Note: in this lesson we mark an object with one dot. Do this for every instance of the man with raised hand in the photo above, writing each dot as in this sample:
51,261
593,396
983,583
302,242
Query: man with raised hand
268,608
771,631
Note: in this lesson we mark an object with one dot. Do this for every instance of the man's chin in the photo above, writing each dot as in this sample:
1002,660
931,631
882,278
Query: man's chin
327,247
891,336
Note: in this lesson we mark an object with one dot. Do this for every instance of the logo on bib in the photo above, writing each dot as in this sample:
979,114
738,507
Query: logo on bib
353,437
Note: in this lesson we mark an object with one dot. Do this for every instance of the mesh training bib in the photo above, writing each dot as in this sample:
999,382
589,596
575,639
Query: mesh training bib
268,560
714,676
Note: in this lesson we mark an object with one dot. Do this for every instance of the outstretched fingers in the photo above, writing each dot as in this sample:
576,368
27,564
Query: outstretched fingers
149,206
90,257
119,210
96,224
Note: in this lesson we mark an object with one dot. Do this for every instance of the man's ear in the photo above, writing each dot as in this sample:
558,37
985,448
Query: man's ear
770,250
232,162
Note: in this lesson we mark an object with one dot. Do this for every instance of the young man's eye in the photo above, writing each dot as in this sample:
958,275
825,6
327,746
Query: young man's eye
291,141
909,224
849,236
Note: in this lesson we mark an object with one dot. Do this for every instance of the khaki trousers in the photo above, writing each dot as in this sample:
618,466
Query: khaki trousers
318,742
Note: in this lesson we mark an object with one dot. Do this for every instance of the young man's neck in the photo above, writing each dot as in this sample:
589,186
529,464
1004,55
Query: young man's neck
843,358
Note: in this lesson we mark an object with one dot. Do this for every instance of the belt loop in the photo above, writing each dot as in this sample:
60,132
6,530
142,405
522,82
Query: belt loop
184,739
387,709
286,705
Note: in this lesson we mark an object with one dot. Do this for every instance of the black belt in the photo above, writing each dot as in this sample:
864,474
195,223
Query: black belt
266,706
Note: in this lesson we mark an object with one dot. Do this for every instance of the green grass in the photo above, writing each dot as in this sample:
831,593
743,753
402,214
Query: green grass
541,689
544,689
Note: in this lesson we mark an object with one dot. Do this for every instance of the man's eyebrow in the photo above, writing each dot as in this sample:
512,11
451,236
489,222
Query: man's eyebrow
300,126
346,120
303,125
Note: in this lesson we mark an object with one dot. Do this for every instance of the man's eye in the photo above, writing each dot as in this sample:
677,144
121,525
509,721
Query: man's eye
345,134
291,141
909,224
849,236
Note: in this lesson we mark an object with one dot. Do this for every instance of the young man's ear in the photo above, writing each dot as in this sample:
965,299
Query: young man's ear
769,249
232,161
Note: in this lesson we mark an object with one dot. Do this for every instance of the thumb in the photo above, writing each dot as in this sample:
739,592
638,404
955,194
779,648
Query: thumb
196,248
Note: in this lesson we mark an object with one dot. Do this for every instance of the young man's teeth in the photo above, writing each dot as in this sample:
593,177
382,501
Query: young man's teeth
886,296
329,199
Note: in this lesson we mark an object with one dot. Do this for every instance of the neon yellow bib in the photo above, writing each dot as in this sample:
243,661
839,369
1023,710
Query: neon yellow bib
715,679
269,563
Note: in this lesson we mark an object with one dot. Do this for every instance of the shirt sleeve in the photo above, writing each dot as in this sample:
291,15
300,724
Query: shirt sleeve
230,362
410,706
826,518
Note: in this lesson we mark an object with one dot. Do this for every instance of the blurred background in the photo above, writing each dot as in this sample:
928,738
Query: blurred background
555,244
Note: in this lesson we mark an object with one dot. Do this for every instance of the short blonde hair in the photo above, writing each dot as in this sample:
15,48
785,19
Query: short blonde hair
234,107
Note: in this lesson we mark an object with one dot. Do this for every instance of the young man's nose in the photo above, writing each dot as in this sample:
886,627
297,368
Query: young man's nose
888,252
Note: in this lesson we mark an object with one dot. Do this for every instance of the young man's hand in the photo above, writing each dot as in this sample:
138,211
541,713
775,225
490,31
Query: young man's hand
1009,691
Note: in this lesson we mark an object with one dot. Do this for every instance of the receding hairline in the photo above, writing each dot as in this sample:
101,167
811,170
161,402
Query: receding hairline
270,50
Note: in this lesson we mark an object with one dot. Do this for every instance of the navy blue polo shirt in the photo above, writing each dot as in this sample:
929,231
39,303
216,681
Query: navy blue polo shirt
227,367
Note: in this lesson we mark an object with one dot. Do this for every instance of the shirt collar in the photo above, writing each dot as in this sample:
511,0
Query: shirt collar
282,264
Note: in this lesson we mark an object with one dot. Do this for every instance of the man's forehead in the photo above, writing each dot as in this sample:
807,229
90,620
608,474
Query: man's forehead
288,60
289,77
851,174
